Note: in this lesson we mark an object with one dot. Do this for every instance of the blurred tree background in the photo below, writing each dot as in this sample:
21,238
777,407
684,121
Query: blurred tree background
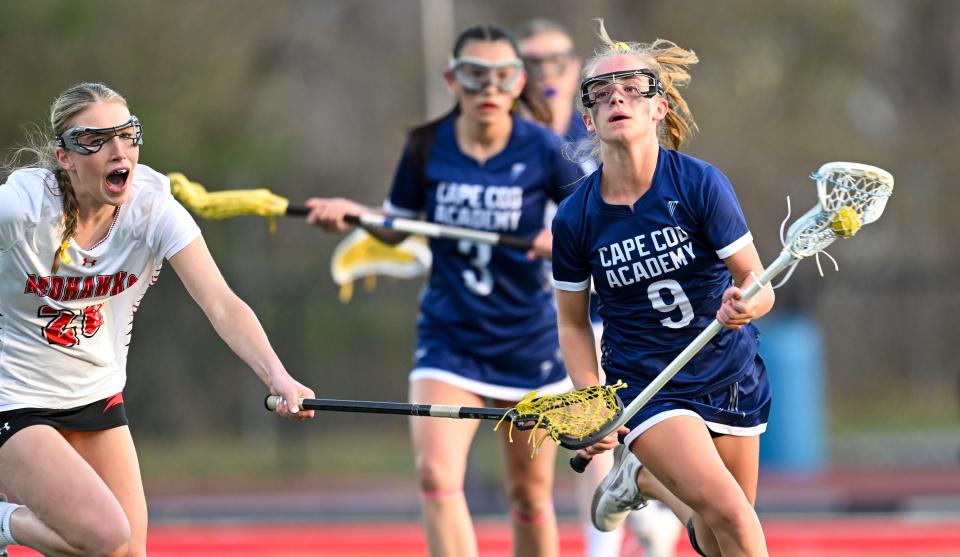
314,98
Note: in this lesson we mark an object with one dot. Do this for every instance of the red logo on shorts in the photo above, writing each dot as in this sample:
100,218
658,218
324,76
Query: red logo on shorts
113,401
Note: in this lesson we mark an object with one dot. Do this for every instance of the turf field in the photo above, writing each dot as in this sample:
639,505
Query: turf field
841,537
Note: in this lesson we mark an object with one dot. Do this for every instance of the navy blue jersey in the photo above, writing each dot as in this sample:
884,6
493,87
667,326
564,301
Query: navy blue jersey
577,130
659,272
487,301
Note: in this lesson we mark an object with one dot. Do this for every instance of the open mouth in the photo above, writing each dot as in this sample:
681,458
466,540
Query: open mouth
117,180
618,118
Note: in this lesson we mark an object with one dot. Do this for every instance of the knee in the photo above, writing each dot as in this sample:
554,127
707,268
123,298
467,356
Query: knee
106,539
529,500
437,479
736,520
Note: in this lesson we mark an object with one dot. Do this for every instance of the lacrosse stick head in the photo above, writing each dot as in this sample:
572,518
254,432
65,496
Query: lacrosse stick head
849,195
360,255
228,203
574,420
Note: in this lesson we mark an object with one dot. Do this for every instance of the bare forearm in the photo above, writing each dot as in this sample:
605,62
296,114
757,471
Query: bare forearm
239,328
745,267
764,298
579,354
236,324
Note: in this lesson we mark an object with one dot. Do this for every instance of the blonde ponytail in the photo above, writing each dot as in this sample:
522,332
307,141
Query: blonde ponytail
670,63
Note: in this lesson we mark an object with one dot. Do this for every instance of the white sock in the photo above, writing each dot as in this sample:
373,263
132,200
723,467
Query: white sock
602,544
6,511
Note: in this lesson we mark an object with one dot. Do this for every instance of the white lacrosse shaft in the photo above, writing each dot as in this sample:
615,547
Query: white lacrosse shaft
434,230
849,195
778,266
783,262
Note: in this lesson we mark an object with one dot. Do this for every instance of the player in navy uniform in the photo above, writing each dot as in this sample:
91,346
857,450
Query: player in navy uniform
554,67
83,234
487,325
665,242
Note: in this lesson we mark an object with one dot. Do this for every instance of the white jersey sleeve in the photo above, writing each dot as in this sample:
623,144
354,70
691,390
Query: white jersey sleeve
17,205
171,228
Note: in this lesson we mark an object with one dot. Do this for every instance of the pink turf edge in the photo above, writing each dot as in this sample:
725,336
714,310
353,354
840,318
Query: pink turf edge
843,537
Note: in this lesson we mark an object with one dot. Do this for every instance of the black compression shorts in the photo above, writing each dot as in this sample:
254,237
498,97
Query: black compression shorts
96,416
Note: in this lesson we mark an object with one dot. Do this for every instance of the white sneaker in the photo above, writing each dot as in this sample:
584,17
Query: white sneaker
657,530
618,493
3,548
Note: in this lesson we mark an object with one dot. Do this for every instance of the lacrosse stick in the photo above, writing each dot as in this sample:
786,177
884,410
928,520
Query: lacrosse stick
850,195
360,255
227,204
434,230
262,202
567,418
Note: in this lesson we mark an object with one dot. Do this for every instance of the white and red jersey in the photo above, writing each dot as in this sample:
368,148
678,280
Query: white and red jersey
64,338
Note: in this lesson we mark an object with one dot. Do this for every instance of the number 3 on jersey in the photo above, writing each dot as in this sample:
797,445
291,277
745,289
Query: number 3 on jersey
680,302
61,331
478,279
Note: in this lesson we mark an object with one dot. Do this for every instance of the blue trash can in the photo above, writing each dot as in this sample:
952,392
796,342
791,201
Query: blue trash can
792,347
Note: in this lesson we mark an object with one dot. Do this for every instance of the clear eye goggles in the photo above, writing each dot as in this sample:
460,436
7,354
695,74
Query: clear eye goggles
549,65
633,83
88,141
475,75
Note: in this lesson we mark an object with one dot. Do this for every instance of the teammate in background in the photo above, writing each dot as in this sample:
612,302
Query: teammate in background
487,326
554,66
664,239
83,234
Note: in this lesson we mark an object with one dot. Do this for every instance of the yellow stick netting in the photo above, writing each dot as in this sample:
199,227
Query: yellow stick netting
360,255
227,203
576,414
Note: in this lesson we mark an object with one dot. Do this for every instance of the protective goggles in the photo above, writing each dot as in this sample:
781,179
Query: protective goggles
475,75
549,65
635,84
88,141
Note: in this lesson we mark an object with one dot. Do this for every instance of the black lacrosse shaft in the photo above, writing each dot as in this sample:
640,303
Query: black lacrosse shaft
297,211
514,242
398,408
579,463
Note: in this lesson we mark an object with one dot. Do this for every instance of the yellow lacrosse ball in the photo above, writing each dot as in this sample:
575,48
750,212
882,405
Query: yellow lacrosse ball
845,222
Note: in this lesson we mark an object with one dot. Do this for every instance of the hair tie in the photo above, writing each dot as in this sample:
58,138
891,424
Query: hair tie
621,46
64,256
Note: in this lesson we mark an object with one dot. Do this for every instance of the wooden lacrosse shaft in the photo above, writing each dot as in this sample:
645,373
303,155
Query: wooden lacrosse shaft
786,258
428,229
397,408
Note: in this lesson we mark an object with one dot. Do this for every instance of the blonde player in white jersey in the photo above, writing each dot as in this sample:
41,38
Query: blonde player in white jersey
83,234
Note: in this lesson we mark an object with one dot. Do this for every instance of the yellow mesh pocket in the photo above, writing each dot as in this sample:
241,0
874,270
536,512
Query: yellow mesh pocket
360,255
573,416
228,203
